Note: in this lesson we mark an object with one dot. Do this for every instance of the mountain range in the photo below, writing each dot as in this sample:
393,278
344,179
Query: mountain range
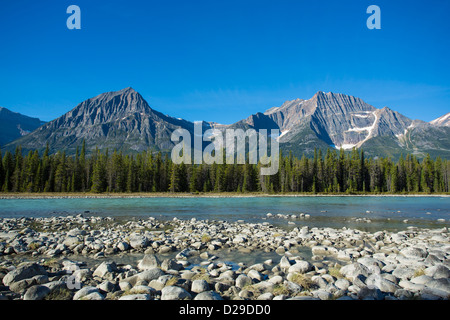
14,125
123,120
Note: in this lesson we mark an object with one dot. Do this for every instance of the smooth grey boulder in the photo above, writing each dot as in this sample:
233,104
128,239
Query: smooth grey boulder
242,280
342,284
138,242
300,267
38,292
351,271
175,293
370,293
149,261
150,274
83,292
208,295
171,264
438,271
105,270
199,286
24,271
381,283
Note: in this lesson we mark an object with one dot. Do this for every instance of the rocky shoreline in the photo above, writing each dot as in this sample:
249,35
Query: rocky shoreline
45,258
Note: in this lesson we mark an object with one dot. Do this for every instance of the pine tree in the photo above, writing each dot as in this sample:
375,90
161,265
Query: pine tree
98,175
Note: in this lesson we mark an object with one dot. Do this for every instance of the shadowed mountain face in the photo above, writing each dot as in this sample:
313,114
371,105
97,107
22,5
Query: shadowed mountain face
123,120
15,125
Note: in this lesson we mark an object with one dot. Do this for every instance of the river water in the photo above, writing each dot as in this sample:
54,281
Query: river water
369,213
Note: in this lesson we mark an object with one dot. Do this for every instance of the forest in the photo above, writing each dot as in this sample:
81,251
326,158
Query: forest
335,172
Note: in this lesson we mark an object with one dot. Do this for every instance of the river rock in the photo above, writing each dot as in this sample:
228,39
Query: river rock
242,280
140,296
351,271
300,267
106,270
175,293
208,295
83,292
24,271
150,274
37,292
149,261
199,286
438,271
138,242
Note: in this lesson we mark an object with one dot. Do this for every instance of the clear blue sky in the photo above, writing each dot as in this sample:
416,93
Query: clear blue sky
222,60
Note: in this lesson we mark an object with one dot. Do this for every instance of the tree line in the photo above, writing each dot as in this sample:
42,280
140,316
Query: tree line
334,172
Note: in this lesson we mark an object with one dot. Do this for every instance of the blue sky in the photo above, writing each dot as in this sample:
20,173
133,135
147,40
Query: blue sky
220,60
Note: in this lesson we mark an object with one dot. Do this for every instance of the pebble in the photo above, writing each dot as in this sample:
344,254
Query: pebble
345,263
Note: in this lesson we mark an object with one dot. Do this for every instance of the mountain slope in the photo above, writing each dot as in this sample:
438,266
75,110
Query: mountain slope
120,120
14,125
443,121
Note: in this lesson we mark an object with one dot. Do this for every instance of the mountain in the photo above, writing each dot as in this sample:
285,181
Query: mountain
120,120
123,120
14,125
341,121
443,121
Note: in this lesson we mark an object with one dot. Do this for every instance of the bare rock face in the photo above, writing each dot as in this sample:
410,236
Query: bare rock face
120,120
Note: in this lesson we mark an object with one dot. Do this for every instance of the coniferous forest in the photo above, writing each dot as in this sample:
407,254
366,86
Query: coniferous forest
333,172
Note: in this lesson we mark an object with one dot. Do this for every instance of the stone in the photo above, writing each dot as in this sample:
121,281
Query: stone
438,271
123,246
242,280
93,296
276,279
106,270
342,284
150,274
408,285
199,286
254,274
266,296
125,285
71,241
322,295
414,252
370,293
175,293
83,292
149,261
142,289
21,286
171,264
24,271
138,242
141,296
285,263
381,283
351,271
208,295
403,272
300,267
38,292
107,286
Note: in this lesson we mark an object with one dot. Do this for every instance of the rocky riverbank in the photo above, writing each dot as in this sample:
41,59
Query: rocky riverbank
82,257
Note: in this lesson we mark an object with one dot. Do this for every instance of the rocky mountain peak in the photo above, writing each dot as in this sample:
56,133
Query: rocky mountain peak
443,121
